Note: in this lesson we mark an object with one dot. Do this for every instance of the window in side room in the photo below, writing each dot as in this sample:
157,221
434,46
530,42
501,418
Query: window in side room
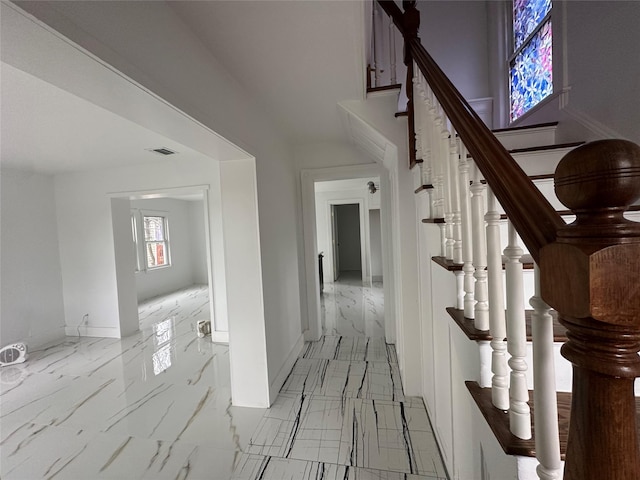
156,242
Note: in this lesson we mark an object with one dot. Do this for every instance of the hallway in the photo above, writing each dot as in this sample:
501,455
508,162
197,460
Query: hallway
158,405
342,413
351,310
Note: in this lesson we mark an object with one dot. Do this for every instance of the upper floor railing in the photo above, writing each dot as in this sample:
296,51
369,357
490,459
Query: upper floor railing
588,269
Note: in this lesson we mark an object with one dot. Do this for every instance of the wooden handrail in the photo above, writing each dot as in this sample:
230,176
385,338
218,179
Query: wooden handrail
533,216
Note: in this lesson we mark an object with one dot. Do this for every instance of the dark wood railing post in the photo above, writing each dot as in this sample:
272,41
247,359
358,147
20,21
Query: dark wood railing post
590,275
411,23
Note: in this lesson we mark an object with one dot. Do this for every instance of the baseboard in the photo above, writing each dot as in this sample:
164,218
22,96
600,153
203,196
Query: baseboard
220,337
89,331
377,278
278,382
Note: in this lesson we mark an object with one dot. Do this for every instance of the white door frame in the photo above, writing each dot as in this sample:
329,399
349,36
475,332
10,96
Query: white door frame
217,335
311,326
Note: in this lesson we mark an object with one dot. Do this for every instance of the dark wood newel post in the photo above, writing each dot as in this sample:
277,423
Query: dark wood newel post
410,23
591,276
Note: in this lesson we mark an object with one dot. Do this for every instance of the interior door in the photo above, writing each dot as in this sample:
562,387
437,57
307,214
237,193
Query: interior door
335,244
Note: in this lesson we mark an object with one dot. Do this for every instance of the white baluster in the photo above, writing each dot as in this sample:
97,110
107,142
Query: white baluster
481,313
422,126
465,216
436,160
499,381
459,274
417,115
376,44
426,146
392,52
519,413
455,197
544,391
443,239
447,190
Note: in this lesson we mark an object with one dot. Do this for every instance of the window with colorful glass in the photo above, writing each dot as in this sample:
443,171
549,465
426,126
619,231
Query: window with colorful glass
530,72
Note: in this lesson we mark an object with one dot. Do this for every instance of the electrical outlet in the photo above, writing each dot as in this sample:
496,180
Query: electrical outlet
85,319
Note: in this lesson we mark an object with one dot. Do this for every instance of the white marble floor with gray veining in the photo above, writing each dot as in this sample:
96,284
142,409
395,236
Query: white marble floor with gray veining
154,405
351,310
158,405
342,413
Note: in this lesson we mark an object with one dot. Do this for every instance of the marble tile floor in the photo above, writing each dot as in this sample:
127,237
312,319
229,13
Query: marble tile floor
157,405
153,405
350,309
342,413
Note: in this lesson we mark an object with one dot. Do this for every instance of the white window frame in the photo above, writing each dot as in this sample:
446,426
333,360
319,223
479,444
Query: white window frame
140,243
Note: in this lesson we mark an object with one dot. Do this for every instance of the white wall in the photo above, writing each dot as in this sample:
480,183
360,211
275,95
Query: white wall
31,279
455,35
197,245
325,155
123,258
242,257
375,235
604,64
183,237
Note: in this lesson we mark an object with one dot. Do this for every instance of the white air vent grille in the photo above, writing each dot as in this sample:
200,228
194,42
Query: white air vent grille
162,151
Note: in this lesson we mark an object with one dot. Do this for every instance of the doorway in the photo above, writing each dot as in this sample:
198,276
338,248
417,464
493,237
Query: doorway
346,240
169,243
161,246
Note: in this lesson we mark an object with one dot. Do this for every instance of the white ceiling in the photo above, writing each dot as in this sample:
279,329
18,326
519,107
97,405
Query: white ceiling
300,58
48,130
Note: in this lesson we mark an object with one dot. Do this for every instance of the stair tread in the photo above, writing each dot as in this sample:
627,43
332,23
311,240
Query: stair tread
526,260
498,421
525,127
555,146
415,162
541,148
468,327
395,86
423,187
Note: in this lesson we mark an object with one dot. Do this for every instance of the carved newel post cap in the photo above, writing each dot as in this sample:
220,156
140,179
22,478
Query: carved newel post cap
591,270
599,175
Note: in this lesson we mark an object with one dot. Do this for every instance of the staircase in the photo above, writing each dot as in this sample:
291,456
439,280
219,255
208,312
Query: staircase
463,176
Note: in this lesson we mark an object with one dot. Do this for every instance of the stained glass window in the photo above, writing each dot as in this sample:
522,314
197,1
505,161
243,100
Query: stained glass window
527,15
531,65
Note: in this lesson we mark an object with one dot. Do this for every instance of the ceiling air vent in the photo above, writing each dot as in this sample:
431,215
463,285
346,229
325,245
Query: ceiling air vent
162,151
